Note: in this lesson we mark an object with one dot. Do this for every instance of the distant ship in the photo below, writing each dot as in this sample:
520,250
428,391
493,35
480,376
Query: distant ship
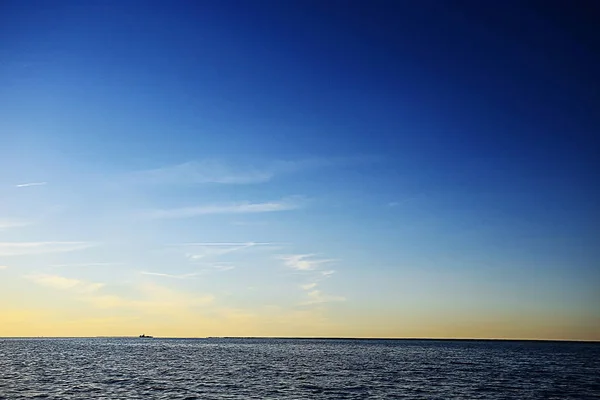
145,336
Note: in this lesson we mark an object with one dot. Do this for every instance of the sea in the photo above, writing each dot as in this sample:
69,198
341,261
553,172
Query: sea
222,368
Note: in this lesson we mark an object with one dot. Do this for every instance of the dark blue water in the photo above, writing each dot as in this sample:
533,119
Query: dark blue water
296,369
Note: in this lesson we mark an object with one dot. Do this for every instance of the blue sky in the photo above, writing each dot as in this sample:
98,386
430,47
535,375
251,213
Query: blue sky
361,167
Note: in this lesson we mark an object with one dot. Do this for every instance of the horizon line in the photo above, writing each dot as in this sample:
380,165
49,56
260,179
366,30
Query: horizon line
313,338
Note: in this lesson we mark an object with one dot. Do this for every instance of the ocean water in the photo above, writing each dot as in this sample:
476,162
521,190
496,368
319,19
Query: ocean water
296,369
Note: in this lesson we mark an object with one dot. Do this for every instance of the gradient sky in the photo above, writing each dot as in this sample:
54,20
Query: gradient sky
299,168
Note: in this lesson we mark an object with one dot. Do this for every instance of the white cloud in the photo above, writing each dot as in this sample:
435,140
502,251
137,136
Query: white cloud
204,250
225,244
12,223
249,223
308,286
307,263
221,172
403,201
316,297
108,301
286,204
205,171
304,262
24,248
223,267
3,266
63,283
20,185
91,264
164,275
154,299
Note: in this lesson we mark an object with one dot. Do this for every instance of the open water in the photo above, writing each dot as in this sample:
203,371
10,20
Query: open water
296,369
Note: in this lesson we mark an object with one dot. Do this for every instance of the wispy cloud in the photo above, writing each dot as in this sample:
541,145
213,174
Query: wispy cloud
222,267
249,223
12,223
304,262
24,248
225,244
308,286
208,269
205,171
154,299
164,275
3,266
63,283
403,201
91,264
308,263
286,204
317,297
222,172
204,250
21,185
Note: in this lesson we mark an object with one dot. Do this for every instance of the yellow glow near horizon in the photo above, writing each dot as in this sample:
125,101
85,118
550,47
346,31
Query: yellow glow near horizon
169,321
55,306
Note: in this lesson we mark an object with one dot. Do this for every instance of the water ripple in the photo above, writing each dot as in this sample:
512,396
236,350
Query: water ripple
301,369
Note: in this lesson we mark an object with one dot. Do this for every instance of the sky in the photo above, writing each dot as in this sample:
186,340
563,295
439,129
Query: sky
299,168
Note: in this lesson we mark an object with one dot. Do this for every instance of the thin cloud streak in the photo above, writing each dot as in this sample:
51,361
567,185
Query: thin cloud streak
63,283
3,266
12,223
232,208
221,172
308,286
92,264
226,244
397,203
304,262
26,248
220,267
21,185
154,300
204,171
307,263
164,275
317,297
203,250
